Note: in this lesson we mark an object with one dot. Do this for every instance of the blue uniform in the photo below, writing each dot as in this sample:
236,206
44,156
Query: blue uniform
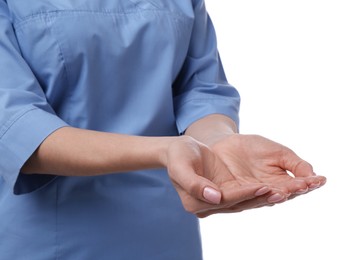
138,67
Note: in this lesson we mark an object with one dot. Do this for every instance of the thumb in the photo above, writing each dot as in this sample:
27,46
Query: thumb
201,188
301,168
290,161
195,185
212,195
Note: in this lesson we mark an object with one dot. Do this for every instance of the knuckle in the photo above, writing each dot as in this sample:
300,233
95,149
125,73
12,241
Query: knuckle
301,185
195,189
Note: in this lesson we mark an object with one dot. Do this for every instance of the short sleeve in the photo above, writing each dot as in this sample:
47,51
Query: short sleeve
201,87
26,118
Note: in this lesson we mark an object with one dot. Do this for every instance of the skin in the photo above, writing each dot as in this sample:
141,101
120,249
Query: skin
213,169
255,159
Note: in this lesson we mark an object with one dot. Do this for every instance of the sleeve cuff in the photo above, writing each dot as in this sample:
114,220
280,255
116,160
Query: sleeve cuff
19,142
194,110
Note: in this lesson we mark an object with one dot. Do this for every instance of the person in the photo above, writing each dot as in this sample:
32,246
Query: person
118,129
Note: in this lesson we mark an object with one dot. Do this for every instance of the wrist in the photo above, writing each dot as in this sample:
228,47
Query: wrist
211,129
161,147
162,150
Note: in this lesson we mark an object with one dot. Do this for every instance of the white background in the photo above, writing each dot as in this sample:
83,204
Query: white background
286,59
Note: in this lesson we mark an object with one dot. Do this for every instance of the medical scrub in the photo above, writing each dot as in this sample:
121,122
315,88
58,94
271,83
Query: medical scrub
137,67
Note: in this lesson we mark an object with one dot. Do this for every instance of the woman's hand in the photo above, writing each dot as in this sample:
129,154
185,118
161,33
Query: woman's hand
206,185
215,173
253,158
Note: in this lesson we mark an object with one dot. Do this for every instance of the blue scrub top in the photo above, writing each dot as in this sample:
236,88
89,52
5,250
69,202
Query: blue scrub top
138,67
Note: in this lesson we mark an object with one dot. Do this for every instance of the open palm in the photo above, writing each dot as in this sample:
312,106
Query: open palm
253,158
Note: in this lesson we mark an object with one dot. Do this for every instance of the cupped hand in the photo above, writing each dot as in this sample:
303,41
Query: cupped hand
205,184
255,159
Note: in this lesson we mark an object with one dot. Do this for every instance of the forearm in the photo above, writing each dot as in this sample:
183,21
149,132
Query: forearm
211,128
77,152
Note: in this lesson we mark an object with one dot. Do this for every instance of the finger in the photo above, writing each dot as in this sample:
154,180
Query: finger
318,182
301,185
266,200
315,182
272,197
233,195
294,186
233,209
297,166
193,205
301,170
199,207
207,213
195,185
211,195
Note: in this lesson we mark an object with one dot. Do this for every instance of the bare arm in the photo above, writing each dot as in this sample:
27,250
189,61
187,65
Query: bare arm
77,152
191,165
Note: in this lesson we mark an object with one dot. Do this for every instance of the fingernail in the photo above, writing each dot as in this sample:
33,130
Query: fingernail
301,191
262,191
212,195
277,197
314,186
